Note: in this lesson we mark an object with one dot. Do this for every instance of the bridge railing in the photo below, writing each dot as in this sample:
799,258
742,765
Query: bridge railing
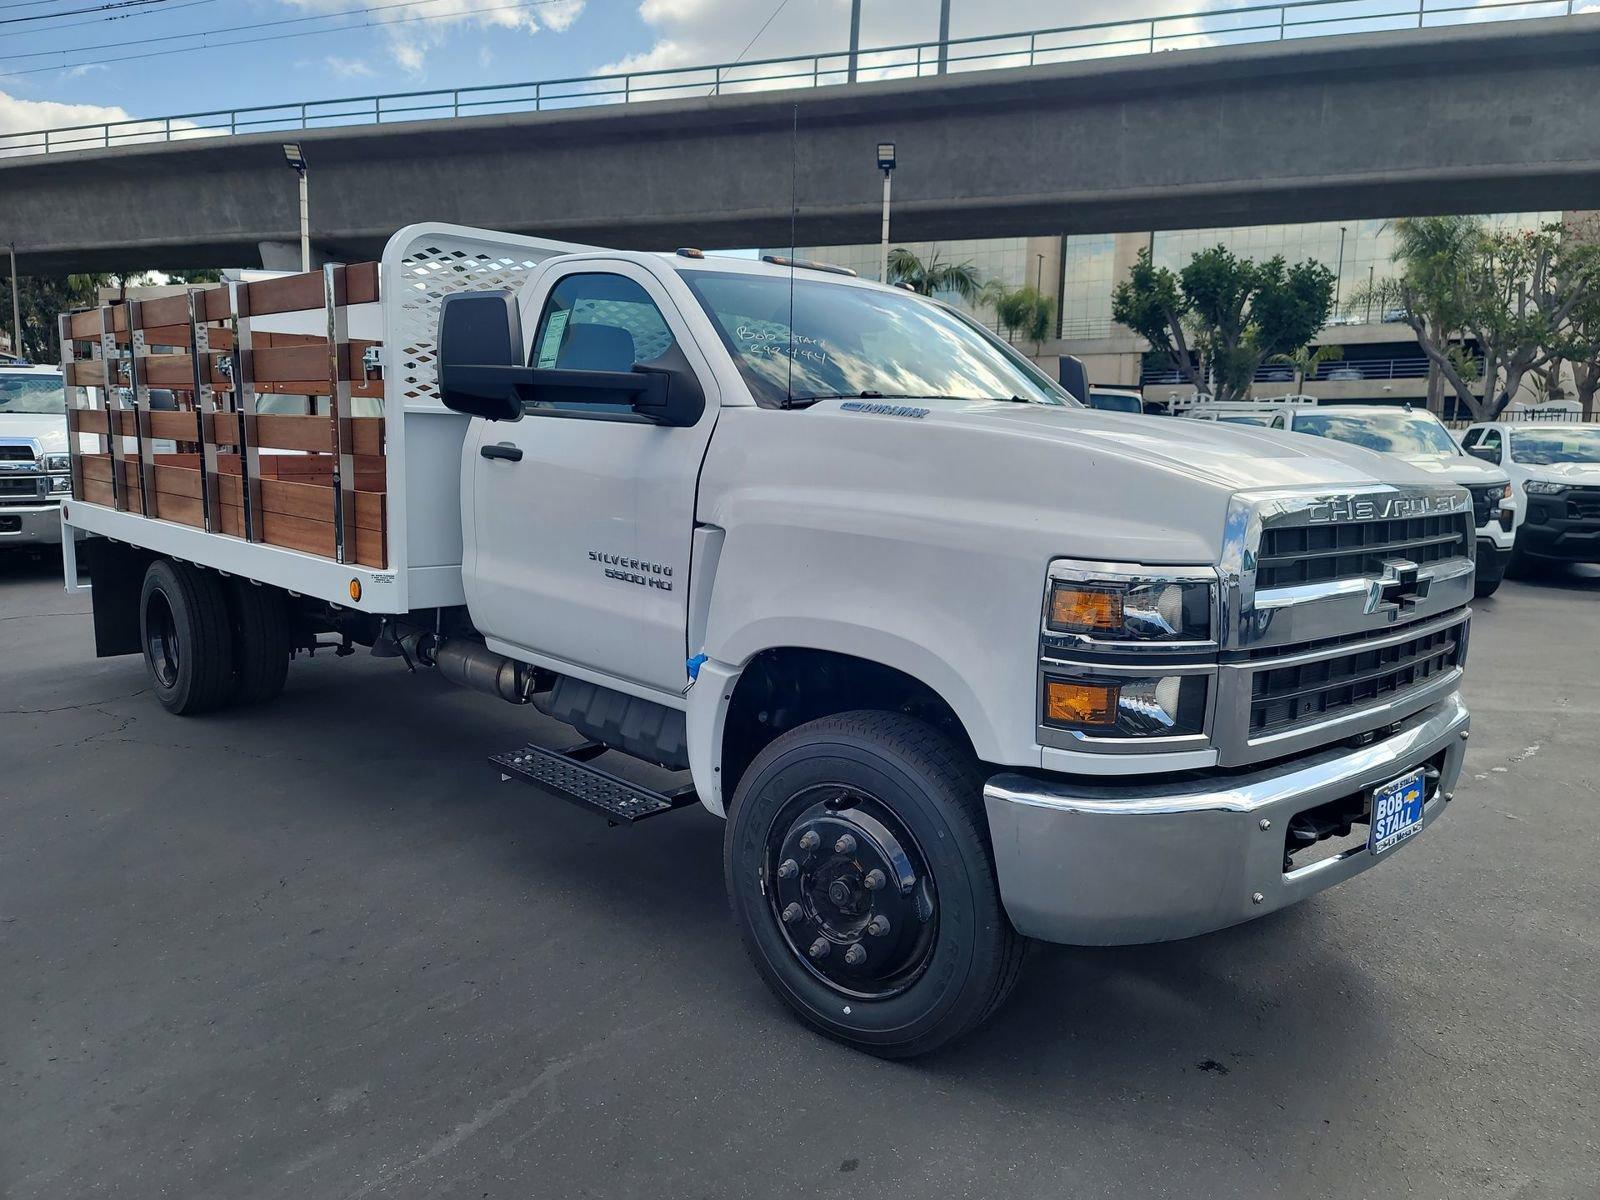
914,60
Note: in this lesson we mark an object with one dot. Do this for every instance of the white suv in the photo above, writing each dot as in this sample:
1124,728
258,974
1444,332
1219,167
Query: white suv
1555,468
1422,440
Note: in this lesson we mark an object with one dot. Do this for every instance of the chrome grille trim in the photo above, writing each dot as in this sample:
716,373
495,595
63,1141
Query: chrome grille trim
1344,616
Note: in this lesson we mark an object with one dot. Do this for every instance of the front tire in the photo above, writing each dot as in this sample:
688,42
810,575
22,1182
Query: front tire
859,869
184,629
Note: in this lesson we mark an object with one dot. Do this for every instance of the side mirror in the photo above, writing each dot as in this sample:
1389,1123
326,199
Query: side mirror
1074,377
480,355
1490,454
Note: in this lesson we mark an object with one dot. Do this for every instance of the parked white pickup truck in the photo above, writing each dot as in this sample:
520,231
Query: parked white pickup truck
33,455
962,662
1422,440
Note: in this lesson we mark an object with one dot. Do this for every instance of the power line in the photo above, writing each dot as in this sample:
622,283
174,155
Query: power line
73,12
278,37
176,5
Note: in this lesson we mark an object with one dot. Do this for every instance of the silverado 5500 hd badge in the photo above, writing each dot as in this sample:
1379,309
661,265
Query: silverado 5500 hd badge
634,570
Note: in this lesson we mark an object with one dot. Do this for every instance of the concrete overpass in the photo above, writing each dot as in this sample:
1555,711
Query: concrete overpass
1494,117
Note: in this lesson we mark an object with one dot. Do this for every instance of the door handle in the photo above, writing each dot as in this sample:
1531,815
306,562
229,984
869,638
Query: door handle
502,450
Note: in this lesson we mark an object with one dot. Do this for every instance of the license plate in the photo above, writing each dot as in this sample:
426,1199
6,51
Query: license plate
1397,811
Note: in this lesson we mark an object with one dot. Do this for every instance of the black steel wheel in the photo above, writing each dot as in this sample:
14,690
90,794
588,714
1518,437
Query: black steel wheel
852,891
859,869
184,630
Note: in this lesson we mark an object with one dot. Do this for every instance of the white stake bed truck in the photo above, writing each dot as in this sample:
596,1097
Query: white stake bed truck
962,662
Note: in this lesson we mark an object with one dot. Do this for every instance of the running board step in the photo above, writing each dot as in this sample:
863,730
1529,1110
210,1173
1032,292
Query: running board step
569,775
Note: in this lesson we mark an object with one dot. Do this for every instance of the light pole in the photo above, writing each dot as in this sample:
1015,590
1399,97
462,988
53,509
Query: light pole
1038,275
855,38
296,159
16,307
1370,271
1338,274
886,165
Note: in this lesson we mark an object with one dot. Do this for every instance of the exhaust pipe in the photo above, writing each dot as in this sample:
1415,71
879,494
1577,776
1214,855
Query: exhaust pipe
472,665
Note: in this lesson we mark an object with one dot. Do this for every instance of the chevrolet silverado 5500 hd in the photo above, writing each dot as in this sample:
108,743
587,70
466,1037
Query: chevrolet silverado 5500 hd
962,662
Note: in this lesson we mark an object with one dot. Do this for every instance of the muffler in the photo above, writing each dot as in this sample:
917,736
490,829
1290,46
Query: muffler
472,665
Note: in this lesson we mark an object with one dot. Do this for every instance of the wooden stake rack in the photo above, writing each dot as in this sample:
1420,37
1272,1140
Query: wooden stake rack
312,481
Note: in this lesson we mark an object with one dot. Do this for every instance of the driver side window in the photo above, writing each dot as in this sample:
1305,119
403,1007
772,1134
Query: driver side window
597,322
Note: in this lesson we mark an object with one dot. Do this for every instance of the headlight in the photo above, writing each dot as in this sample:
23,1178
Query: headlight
58,462
61,483
1130,604
1127,706
1542,487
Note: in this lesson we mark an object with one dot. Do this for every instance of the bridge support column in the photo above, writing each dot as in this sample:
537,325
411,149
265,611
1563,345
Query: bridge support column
285,256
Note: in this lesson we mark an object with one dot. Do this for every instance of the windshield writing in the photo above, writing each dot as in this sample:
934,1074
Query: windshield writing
32,394
847,341
1541,448
1388,432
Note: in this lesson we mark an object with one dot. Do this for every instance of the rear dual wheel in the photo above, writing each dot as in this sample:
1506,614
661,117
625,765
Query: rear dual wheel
210,642
859,869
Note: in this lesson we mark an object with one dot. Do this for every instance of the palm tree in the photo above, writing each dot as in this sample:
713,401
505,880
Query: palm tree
1306,360
933,275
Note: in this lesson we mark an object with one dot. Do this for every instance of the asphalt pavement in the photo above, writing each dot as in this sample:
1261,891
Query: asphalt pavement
318,950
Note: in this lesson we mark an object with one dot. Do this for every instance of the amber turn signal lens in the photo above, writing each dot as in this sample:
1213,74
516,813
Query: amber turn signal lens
1080,703
355,589
1085,610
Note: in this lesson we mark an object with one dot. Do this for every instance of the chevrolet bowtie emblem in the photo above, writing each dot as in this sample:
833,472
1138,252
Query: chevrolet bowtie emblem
1398,589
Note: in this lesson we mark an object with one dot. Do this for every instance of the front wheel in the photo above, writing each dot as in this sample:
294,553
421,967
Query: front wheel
859,870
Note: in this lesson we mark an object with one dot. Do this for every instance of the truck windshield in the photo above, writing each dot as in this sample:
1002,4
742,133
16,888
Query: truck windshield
1541,448
1391,431
859,342
31,393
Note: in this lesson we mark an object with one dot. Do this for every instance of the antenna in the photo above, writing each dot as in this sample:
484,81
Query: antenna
794,191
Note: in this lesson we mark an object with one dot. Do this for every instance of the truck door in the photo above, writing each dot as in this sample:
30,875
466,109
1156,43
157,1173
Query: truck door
579,548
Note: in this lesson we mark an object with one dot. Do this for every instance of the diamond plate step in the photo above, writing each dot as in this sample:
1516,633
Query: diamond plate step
569,775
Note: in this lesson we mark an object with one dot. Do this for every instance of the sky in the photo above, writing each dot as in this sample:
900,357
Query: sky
81,61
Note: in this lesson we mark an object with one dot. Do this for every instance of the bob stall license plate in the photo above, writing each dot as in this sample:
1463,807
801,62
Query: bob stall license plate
1397,811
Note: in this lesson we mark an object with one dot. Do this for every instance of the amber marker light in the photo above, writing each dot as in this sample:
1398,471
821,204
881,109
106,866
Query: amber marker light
1080,703
1085,610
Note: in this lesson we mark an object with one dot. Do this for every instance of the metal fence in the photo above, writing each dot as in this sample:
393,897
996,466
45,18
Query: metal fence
1351,370
1068,43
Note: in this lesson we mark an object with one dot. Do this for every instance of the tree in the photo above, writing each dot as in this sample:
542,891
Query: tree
932,276
1434,254
1220,317
43,299
1307,359
1578,341
1022,310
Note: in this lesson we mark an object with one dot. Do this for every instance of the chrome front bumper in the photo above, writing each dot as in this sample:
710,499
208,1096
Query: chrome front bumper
1100,865
31,526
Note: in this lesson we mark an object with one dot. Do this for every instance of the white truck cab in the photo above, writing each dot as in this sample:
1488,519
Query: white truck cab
1422,440
1554,467
33,455
961,661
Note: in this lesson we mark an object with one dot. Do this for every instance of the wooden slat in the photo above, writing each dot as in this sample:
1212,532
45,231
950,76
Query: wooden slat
87,373
284,364
97,467
186,510
97,491
291,431
177,371
319,387
310,501
178,481
309,537
173,426
84,326
357,284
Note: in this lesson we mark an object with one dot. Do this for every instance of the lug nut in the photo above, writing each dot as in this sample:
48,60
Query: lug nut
874,880
1256,898
787,868
856,955
819,948
809,840
791,914
1449,796
1265,824
845,845
878,926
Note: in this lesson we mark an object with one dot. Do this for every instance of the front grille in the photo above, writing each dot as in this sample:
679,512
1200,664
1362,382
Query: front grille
1319,553
16,453
26,487
1583,504
1484,496
1282,697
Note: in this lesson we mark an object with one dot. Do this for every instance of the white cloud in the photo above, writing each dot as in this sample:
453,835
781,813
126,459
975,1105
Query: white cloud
695,32
19,115
348,68
411,40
